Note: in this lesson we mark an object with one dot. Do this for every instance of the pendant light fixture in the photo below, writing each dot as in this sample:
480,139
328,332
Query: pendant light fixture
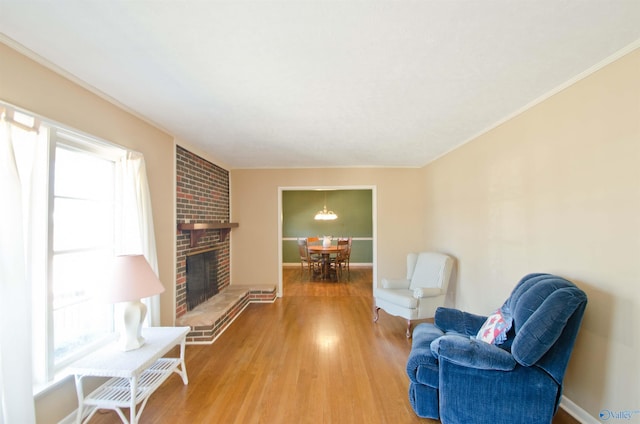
325,215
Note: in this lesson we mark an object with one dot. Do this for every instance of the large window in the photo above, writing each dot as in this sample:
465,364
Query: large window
72,200
83,243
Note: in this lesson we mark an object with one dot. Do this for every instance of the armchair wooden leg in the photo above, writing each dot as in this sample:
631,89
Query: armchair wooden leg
408,329
376,310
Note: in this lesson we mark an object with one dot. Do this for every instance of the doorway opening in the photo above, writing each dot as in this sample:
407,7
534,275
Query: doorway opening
297,207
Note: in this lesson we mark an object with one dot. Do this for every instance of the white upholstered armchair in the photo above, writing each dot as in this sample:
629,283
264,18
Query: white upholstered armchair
418,295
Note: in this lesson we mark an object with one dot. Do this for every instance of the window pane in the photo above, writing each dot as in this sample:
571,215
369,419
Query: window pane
83,231
80,224
83,175
79,315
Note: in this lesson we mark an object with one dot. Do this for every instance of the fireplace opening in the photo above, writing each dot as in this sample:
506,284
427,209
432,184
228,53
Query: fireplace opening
202,278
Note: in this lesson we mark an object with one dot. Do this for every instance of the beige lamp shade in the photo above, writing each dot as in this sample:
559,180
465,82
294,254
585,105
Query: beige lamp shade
132,279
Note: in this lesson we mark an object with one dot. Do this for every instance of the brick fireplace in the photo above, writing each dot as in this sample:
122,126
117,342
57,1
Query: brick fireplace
202,195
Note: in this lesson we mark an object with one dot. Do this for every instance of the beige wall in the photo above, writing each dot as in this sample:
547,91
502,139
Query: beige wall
28,85
557,189
254,205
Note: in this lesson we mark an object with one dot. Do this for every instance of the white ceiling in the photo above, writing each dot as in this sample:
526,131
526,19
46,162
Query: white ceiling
292,83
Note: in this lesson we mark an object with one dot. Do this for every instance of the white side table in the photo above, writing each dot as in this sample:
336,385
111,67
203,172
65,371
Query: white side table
136,373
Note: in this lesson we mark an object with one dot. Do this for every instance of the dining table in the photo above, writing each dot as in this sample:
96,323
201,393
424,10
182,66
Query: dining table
326,253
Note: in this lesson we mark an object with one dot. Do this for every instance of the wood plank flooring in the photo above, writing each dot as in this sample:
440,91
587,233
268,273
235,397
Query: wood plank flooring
314,356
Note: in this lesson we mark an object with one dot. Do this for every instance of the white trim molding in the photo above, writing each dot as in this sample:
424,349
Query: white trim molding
577,412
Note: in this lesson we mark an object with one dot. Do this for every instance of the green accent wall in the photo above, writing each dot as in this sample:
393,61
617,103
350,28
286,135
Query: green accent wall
354,210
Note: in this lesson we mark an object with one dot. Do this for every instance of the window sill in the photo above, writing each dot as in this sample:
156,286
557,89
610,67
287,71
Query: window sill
63,376
61,379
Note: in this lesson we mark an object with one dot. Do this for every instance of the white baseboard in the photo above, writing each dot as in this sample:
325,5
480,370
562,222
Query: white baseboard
576,412
71,418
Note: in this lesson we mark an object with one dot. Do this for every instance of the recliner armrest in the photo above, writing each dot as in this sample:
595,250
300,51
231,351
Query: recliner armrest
449,319
472,353
420,354
395,283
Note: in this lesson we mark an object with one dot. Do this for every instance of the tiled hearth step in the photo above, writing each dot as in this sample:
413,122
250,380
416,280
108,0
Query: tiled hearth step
209,319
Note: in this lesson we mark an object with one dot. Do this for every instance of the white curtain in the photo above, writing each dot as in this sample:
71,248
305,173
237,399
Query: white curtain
136,220
16,393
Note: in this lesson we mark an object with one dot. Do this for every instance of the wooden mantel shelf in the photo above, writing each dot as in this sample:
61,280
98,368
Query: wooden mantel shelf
198,228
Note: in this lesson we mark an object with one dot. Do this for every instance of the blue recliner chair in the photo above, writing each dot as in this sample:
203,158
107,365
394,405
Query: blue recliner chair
460,379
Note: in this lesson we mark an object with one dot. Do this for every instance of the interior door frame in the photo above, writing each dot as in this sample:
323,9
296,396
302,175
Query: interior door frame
374,223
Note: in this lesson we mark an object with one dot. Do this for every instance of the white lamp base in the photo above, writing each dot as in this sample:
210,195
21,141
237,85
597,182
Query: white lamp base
131,336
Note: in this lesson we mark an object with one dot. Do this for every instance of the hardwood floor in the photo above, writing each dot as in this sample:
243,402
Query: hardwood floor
314,356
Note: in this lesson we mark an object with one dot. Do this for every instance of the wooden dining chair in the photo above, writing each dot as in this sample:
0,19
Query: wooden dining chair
305,258
312,241
342,257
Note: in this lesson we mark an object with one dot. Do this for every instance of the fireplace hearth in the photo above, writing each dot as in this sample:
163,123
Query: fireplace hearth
202,278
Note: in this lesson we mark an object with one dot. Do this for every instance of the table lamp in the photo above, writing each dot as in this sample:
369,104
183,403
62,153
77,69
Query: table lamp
132,279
